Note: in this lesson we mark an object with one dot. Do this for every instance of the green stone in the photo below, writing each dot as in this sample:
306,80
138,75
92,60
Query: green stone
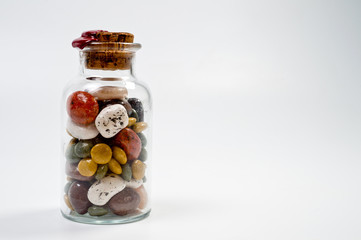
101,172
134,114
144,179
97,211
127,172
143,139
69,153
143,155
82,148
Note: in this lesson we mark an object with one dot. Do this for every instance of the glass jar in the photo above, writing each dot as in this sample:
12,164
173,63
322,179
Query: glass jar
107,134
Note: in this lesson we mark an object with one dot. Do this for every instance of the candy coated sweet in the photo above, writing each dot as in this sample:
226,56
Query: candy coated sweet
129,141
72,171
82,107
138,169
82,131
87,167
109,92
114,166
138,107
111,120
119,155
143,196
124,202
101,153
78,197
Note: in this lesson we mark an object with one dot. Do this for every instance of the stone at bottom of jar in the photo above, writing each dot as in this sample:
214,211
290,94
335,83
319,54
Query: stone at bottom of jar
106,173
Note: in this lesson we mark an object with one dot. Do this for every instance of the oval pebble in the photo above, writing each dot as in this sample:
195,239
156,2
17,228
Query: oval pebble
129,141
82,107
67,186
138,169
114,166
67,202
82,148
82,131
101,172
127,172
143,155
138,107
124,202
131,121
109,92
87,167
143,196
134,183
111,120
101,153
139,127
134,114
119,155
69,152
72,171
78,197
97,211
104,189
143,139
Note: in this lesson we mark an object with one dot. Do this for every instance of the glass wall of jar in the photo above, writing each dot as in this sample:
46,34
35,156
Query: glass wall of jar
107,134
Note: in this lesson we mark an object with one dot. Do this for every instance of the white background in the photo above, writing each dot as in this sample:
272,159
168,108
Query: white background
257,116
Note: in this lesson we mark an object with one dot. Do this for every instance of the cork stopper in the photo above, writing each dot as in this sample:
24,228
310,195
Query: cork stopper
110,51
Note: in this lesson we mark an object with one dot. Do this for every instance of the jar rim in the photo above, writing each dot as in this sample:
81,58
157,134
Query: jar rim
111,46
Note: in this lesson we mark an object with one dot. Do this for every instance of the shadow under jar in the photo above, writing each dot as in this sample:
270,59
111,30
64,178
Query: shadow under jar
107,133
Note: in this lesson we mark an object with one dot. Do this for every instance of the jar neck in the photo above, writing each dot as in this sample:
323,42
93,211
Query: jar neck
93,66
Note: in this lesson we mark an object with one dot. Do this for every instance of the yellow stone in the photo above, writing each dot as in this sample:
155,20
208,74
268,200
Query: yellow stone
131,121
114,166
119,155
101,153
138,169
139,127
87,167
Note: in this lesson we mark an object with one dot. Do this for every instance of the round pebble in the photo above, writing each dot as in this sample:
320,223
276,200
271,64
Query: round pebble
69,152
104,189
119,155
111,120
82,148
131,121
72,171
138,169
143,196
138,107
97,211
143,155
109,92
129,141
87,167
101,172
124,202
139,127
143,139
82,107
127,172
114,166
82,131
78,197
101,153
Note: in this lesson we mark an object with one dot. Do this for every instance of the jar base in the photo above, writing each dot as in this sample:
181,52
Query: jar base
105,220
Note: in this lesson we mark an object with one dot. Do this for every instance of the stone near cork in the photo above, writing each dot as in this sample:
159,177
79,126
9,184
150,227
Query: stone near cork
119,155
78,197
101,172
114,166
127,172
101,153
129,141
133,183
138,169
87,167
72,171
69,152
138,107
143,155
97,211
124,202
109,92
143,139
139,127
82,107
111,120
82,131
143,196
82,148
103,190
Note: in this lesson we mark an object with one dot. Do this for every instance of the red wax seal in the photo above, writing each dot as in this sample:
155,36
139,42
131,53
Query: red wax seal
86,38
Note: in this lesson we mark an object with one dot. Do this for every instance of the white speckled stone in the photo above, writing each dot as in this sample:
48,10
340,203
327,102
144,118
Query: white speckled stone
81,131
109,92
104,189
111,120
134,183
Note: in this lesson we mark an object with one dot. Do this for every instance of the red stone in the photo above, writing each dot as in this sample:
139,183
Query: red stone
82,107
129,141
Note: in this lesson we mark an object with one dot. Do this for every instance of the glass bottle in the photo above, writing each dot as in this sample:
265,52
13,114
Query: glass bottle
107,134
